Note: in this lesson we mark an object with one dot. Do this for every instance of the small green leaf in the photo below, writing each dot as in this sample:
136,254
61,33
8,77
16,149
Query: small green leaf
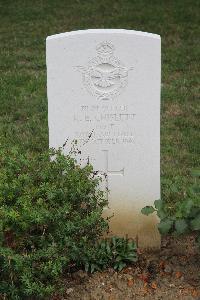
118,258
195,189
195,224
161,214
158,204
92,268
181,226
86,267
147,210
114,241
121,266
195,173
187,206
132,258
108,248
165,225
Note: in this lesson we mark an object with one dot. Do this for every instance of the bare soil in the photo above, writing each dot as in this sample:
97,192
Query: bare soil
171,273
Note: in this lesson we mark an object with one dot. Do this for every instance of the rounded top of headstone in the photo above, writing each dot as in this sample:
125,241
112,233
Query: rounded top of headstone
103,31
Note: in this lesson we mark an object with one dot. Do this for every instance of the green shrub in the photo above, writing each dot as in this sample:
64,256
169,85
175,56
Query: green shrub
115,252
185,218
50,210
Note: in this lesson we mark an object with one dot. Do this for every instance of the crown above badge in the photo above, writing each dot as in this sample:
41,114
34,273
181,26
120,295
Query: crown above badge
105,49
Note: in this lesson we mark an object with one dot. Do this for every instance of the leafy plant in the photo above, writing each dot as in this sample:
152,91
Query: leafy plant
186,216
115,252
50,210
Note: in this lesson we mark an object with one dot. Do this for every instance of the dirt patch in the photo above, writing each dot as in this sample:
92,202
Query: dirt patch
173,110
171,273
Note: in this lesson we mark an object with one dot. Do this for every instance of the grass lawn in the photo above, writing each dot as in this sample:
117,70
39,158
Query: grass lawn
24,26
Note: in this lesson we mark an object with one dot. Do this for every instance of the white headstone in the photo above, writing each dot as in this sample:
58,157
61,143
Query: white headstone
106,84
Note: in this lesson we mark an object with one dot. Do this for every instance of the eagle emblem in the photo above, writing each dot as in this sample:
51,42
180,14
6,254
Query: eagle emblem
105,76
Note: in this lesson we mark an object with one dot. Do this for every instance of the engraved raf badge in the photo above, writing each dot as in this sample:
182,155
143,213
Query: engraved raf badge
105,76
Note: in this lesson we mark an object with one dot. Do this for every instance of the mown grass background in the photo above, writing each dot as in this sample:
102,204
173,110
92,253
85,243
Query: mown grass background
24,26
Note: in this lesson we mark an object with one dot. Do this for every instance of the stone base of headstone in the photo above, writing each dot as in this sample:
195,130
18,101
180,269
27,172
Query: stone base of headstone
135,226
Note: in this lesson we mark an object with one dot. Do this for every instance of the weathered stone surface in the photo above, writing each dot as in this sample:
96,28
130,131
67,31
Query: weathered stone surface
106,84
